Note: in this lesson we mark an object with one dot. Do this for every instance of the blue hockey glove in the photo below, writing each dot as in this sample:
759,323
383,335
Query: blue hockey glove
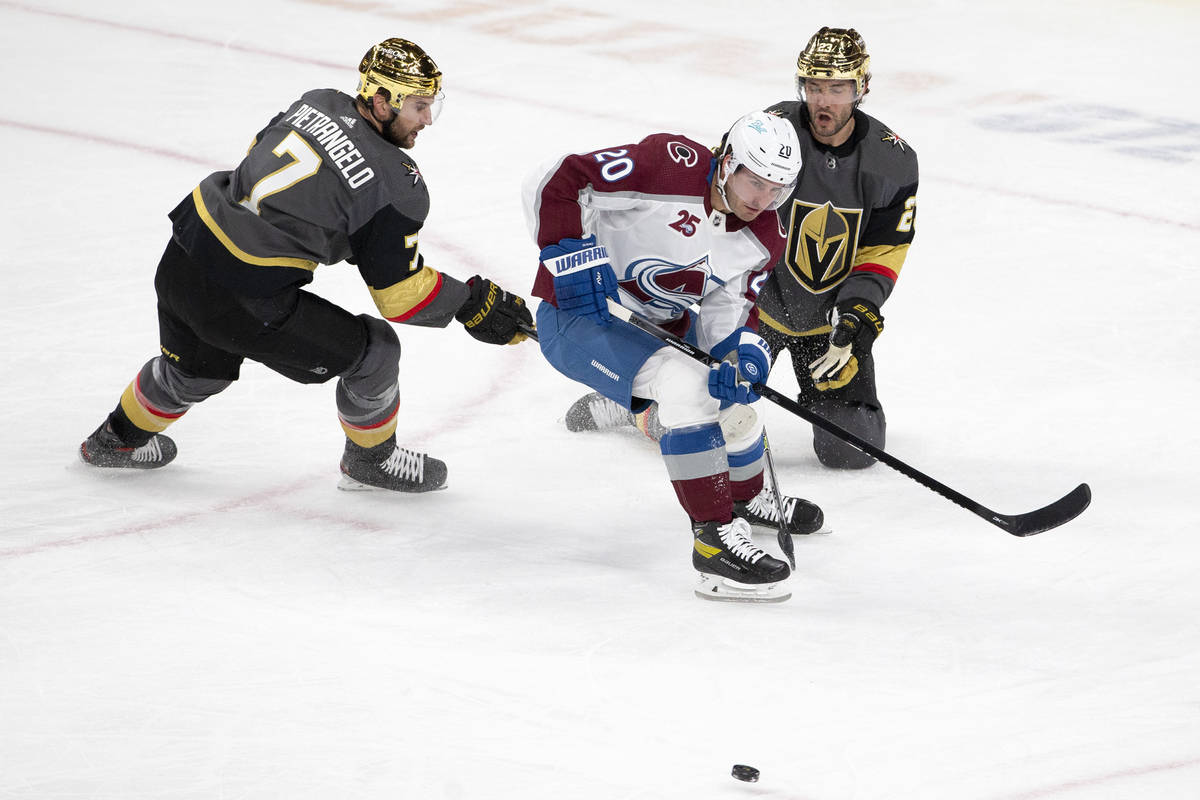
753,354
583,278
724,385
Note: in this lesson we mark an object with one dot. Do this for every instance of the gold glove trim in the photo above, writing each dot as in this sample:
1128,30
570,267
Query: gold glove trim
843,377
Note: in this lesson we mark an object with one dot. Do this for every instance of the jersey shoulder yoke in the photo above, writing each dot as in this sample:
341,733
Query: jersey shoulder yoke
884,151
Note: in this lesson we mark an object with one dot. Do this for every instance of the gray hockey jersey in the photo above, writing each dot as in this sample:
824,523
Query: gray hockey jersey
319,186
849,224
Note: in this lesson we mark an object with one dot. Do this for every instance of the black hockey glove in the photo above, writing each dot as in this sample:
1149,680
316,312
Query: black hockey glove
860,323
493,315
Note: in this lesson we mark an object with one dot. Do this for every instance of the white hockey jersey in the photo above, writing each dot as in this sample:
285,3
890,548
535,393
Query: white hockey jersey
648,204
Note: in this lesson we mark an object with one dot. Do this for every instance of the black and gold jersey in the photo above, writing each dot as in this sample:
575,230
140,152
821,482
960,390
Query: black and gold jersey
849,224
319,186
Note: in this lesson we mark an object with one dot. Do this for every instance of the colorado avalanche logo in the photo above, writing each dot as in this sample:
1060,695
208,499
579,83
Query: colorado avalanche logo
665,286
680,153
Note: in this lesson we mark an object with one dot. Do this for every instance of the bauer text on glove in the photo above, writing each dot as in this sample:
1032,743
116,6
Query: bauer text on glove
493,315
584,281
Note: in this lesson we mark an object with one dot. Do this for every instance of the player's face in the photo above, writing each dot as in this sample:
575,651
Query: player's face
830,109
417,112
748,195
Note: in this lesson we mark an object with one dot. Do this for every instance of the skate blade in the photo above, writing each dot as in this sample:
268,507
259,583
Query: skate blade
723,590
824,530
348,484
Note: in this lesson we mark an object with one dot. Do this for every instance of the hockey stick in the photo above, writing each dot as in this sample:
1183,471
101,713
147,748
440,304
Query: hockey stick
785,527
1062,510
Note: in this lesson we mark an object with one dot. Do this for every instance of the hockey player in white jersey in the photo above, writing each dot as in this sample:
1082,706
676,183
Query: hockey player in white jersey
850,222
664,227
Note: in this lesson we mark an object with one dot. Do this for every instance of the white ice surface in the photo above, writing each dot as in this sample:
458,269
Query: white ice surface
234,627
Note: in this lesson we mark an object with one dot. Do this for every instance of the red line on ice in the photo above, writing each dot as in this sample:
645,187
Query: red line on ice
1133,772
294,57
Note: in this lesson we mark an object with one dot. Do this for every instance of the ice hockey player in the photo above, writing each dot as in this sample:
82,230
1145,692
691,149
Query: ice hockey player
661,226
850,221
325,181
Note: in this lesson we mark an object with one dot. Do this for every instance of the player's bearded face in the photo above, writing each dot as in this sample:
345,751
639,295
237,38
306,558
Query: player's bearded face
417,112
830,105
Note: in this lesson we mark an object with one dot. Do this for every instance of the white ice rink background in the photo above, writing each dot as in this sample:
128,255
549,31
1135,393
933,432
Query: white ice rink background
234,627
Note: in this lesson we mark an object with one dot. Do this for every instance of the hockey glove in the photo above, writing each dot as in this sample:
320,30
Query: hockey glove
752,353
584,281
493,315
724,385
838,366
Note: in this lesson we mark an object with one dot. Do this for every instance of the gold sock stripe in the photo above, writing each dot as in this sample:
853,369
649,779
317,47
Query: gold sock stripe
141,413
372,435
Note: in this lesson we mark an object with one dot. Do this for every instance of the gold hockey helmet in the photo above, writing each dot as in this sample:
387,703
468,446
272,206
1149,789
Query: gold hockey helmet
402,68
838,54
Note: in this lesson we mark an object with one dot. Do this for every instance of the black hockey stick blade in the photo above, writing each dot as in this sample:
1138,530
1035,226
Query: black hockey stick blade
1064,509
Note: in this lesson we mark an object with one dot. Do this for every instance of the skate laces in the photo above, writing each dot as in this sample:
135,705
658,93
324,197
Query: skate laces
607,413
736,538
405,464
150,451
763,505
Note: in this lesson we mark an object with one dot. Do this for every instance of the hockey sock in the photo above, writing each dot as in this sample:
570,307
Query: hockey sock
746,471
699,471
137,418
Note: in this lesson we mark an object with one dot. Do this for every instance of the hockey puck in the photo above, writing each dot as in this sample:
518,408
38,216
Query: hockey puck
744,773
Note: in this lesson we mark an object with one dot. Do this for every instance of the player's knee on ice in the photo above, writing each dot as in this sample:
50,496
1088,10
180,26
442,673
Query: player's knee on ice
864,421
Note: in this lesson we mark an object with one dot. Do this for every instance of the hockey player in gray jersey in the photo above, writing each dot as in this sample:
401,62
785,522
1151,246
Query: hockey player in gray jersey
325,181
849,223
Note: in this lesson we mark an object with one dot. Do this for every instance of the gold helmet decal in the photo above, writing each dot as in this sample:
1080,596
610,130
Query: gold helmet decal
838,54
402,68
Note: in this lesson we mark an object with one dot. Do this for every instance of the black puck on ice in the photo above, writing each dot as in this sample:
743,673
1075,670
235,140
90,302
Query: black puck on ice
744,773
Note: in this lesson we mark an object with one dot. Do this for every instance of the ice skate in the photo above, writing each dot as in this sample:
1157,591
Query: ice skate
391,467
732,568
105,449
595,412
804,517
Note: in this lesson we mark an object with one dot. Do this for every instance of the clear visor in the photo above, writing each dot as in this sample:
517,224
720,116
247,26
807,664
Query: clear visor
427,108
758,192
827,92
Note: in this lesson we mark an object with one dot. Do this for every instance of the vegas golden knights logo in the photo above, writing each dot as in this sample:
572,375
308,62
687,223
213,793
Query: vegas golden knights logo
821,244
